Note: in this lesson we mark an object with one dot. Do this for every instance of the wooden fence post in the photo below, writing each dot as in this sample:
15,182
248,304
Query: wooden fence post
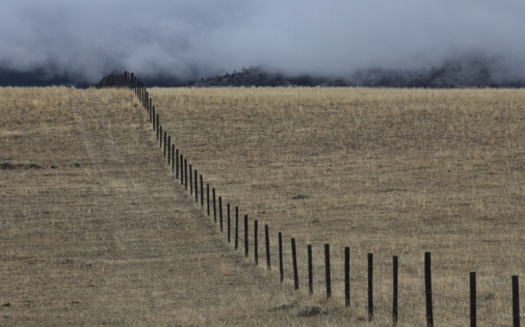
202,191
267,238
157,126
154,120
165,139
255,242
220,213
370,286
281,268
515,301
236,228
310,270
327,270
186,174
347,276
428,290
473,314
160,138
173,158
214,205
169,150
196,188
208,198
177,164
150,113
246,235
191,180
294,265
395,291
228,224
181,169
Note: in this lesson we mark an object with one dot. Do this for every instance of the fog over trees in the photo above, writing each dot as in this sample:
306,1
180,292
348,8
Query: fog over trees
410,43
466,71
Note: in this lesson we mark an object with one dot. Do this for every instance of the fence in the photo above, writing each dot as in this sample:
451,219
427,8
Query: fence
466,310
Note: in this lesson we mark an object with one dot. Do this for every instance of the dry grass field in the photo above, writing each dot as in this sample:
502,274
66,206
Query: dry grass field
388,172
106,237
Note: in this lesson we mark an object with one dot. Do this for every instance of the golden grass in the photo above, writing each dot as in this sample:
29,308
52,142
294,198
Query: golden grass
391,172
113,242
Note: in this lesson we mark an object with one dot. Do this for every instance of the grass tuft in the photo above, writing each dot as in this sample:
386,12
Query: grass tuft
74,163
300,197
33,165
8,165
311,311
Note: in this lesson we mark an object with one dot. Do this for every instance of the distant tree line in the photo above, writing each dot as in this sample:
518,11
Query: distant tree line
452,74
471,71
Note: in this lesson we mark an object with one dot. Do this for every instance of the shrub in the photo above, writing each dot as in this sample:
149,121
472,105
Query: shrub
7,165
33,165
300,197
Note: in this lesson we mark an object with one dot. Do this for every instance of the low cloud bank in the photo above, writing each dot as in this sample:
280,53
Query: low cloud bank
444,43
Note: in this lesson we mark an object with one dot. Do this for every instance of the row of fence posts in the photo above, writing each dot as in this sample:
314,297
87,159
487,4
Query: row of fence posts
179,166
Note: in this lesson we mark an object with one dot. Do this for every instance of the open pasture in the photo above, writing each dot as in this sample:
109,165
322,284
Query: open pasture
106,237
389,172
383,171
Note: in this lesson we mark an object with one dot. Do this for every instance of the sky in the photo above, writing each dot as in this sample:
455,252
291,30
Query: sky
194,38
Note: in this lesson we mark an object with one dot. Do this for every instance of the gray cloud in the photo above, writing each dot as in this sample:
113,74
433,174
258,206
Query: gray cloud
201,37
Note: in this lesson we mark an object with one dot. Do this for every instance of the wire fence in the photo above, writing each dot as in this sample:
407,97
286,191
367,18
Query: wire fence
386,299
